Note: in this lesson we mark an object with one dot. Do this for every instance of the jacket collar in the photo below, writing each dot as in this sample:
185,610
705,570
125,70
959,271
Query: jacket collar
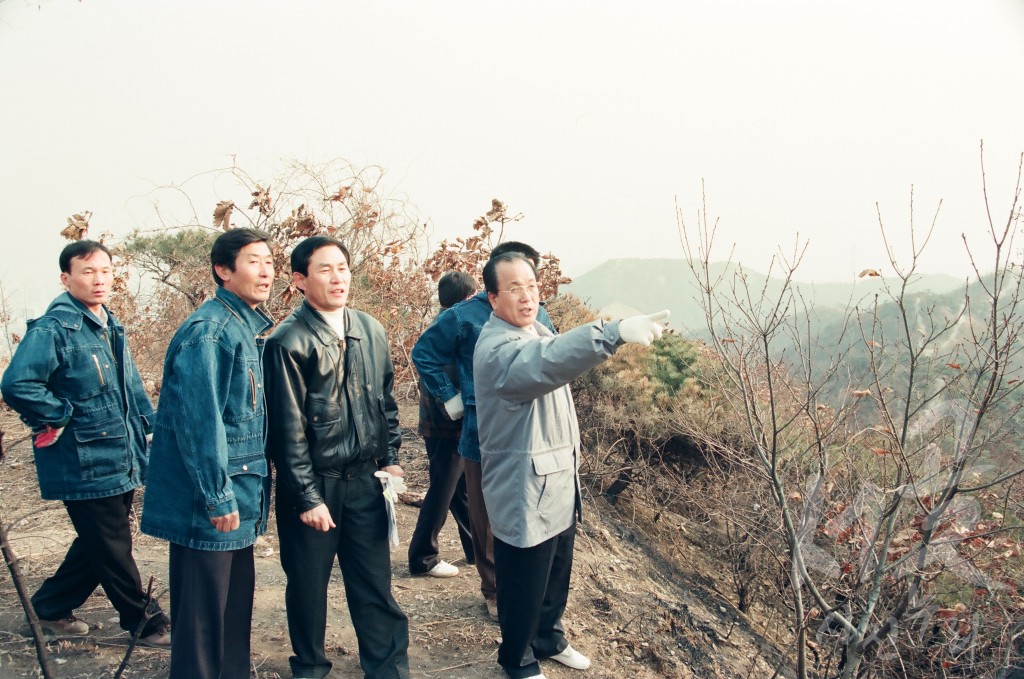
256,320
71,313
322,331
505,326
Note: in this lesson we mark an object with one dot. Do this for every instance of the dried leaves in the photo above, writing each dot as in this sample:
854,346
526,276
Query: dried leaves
261,200
222,214
497,211
302,222
78,226
340,195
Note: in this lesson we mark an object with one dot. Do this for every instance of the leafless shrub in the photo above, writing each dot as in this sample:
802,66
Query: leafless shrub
880,456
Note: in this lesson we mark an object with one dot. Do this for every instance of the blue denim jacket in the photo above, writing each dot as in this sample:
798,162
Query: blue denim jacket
207,457
450,340
70,370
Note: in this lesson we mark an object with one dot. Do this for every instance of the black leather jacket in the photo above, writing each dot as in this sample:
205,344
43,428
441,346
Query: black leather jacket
310,409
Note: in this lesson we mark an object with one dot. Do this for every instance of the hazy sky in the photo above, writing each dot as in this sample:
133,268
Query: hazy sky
588,117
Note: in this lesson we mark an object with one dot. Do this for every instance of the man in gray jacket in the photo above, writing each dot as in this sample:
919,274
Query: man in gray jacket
529,445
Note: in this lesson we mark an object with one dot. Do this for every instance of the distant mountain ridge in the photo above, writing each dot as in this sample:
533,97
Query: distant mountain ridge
653,284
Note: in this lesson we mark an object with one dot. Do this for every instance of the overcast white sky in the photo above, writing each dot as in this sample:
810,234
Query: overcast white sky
588,117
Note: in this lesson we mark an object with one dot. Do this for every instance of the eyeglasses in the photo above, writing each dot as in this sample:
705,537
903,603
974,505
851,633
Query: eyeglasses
517,290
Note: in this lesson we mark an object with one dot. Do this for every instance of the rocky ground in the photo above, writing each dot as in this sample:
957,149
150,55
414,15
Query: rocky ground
631,610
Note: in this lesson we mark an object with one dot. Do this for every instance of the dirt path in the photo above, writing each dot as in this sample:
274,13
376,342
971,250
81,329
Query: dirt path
630,614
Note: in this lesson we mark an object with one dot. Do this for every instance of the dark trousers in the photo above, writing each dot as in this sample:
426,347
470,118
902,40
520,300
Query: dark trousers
100,555
211,612
360,543
447,492
533,587
480,526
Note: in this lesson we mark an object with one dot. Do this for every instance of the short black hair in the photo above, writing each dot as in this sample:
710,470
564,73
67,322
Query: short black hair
491,268
454,287
80,248
516,246
303,252
227,246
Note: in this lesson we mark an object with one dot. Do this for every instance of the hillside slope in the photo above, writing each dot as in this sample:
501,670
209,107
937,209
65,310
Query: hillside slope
629,610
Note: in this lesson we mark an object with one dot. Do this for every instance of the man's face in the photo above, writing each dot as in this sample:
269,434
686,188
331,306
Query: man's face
326,283
518,298
253,275
90,279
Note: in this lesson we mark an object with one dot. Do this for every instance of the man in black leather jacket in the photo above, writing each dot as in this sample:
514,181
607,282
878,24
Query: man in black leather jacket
333,423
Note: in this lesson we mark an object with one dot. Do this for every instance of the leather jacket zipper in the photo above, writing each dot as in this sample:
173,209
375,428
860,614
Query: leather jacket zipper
99,370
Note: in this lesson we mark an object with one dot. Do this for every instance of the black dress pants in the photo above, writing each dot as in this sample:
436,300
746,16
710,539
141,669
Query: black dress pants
100,555
483,541
447,492
360,543
211,612
533,588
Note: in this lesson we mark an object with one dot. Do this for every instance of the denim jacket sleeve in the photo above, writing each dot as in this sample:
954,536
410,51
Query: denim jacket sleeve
203,372
436,349
137,390
25,380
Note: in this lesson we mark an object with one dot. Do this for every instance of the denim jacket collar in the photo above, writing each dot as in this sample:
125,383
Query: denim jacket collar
70,312
256,319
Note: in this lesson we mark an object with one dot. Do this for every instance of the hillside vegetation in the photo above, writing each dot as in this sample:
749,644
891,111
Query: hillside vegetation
835,469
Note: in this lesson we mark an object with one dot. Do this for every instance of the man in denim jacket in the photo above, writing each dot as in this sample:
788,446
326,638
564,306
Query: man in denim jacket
447,490
210,488
73,381
449,341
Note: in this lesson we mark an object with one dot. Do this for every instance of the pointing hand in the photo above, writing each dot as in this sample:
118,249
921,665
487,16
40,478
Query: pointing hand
643,329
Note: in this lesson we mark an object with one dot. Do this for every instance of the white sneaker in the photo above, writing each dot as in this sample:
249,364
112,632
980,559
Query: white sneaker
570,657
537,676
443,569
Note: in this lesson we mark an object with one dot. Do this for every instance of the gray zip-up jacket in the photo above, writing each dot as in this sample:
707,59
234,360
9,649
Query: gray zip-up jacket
529,435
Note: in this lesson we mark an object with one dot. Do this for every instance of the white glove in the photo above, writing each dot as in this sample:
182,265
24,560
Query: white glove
454,407
393,485
643,329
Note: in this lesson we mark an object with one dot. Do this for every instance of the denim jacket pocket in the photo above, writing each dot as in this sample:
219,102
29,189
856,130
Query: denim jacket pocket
246,389
102,449
88,372
249,464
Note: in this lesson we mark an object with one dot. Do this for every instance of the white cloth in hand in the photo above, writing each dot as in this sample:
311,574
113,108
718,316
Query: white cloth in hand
643,329
393,485
454,407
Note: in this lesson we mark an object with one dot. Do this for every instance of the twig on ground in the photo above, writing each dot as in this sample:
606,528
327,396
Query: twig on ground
138,629
11,559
